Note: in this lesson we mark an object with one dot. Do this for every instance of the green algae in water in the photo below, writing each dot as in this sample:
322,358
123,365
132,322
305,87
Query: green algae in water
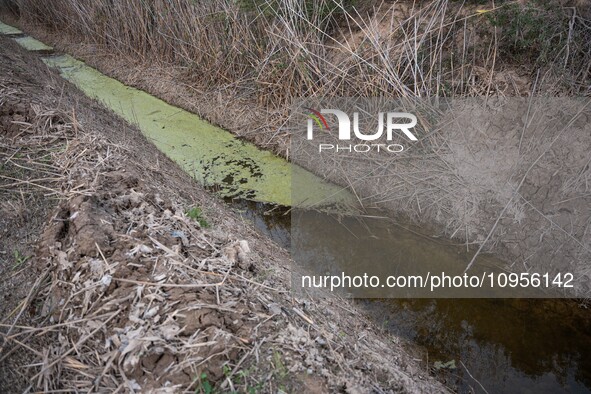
9,30
213,156
32,44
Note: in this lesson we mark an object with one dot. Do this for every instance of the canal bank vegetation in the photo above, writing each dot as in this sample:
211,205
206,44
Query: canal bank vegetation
239,64
119,273
521,193
262,54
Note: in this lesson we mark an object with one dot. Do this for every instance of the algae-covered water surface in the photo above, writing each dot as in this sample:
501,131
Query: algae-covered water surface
32,44
212,155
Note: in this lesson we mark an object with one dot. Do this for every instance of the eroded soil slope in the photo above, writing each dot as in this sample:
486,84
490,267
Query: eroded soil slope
115,288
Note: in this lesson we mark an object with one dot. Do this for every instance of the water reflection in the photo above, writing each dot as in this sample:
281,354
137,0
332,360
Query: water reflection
507,345
272,221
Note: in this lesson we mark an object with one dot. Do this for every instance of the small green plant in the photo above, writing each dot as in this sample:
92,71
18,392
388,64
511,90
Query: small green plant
196,214
280,368
240,379
226,370
19,259
205,387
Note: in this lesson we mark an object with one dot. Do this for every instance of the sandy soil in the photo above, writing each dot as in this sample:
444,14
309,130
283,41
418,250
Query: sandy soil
115,288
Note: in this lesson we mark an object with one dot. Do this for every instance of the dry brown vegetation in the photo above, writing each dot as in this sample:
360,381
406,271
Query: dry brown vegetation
123,291
263,54
250,59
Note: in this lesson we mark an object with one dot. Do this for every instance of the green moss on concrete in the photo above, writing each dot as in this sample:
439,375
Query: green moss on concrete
32,44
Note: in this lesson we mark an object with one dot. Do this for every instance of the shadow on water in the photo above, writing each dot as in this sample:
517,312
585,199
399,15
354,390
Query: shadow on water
272,221
477,345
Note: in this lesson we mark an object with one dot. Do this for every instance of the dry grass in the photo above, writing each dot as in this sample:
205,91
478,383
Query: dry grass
268,53
32,138
130,294
273,52
137,296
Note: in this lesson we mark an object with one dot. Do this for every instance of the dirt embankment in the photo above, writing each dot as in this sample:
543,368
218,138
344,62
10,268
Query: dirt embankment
121,289
464,183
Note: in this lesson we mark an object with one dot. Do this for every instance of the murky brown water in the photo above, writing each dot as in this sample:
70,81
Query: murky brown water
508,345
496,345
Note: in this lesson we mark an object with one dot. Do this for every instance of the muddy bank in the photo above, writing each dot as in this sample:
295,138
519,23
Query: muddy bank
139,290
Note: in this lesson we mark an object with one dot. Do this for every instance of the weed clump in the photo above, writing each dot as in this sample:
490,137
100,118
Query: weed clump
540,33
196,214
